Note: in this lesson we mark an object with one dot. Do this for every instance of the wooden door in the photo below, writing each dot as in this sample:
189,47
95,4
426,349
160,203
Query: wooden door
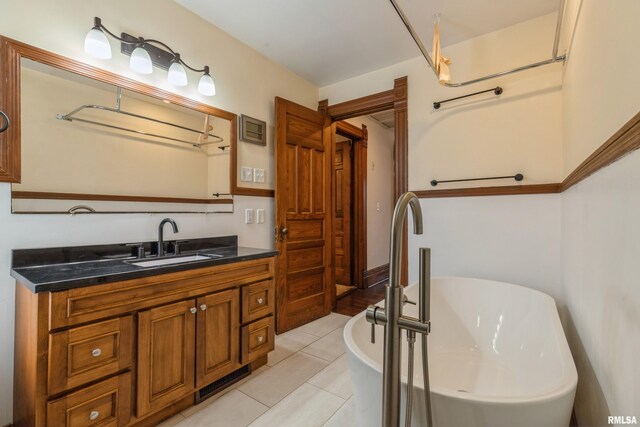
342,212
218,332
166,355
303,155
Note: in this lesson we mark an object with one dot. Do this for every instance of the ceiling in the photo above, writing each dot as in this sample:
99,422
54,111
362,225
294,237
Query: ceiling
386,119
331,40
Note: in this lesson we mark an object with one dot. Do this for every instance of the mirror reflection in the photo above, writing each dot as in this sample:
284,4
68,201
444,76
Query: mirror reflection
85,142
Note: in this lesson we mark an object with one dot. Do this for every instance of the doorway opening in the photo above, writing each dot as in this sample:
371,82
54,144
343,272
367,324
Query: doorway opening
362,195
303,152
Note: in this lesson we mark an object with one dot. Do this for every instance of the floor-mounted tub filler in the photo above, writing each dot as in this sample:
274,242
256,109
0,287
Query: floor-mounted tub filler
496,356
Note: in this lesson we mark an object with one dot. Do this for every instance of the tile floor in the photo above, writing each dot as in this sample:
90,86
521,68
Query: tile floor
305,383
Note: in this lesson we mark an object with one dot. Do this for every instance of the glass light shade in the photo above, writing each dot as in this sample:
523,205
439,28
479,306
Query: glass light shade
97,45
177,75
141,61
206,86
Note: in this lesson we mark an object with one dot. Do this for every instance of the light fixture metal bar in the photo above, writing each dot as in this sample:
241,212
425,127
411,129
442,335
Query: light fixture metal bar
129,42
555,58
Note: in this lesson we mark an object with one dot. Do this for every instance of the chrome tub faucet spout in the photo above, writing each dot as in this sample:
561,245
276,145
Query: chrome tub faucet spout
394,321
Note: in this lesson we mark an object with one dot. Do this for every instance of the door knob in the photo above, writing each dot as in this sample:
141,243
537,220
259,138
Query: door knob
203,307
5,125
280,233
283,232
94,415
193,310
96,352
260,301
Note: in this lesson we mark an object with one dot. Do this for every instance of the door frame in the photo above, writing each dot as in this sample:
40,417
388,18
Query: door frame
358,137
395,99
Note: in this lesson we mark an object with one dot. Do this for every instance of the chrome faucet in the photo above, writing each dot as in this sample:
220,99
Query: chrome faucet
161,232
394,321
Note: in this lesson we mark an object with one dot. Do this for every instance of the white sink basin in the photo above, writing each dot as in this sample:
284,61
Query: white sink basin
176,260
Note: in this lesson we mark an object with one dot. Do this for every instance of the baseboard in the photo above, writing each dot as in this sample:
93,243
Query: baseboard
376,275
8,425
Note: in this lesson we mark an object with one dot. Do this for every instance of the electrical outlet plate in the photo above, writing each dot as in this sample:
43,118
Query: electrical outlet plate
258,175
248,216
259,216
246,174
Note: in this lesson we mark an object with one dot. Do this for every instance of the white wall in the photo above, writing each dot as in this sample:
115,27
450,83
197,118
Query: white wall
246,82
514,239
601,84
380,201
520,131
601,238
600,231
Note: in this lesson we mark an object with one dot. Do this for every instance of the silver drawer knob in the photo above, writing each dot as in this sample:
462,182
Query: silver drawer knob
260,301
203,307
96,352
193,310
260,338
94,415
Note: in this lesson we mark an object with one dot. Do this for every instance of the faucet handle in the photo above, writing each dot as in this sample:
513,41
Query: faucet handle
406,300
137,249
174,247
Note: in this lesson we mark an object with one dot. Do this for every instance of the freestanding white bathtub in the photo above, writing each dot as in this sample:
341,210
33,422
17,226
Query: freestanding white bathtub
498,357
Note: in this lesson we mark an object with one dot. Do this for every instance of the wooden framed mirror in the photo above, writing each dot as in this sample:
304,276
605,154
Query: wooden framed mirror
84,140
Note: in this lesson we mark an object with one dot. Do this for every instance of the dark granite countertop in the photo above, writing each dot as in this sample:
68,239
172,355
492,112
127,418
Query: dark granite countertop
58,269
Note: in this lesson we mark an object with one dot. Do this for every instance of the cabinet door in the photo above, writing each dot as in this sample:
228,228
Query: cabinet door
166,345
218,336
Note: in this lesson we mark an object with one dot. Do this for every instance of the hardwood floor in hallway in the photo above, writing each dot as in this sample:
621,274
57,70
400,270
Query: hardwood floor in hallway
359,299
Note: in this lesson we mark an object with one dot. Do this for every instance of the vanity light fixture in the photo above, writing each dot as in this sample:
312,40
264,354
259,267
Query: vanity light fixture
140,61
145,53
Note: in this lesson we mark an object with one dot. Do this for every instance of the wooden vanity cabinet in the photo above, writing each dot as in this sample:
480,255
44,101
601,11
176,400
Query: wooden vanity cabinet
218,336
166,348
136,352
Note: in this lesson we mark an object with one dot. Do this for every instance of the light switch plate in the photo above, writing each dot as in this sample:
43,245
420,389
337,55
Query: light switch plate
258,175
248,216
259,216
246,174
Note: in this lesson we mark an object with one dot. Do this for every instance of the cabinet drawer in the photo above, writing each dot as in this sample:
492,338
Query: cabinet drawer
107,403
91,303
258,301
81,355
257,339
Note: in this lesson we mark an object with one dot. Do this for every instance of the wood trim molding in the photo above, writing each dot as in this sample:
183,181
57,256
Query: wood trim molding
395,99
376,275
359,107
235,189
621,143
401,159
348,130
12,51
10,104
37,195
359,137
255,192
490,191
